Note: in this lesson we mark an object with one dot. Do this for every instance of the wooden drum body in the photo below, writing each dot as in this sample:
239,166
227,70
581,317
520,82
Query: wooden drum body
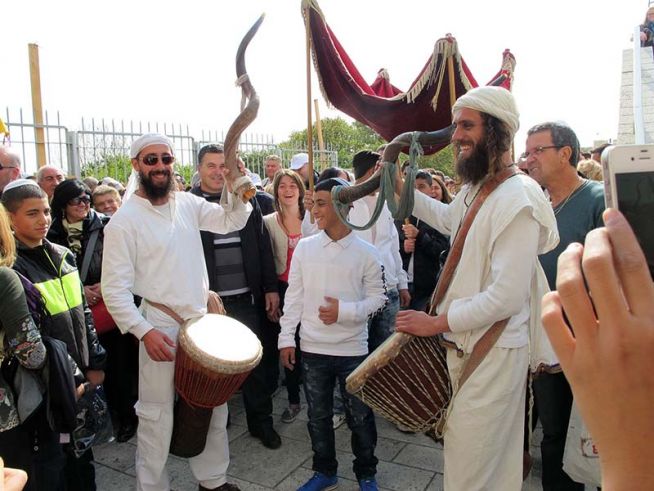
215,355
406,381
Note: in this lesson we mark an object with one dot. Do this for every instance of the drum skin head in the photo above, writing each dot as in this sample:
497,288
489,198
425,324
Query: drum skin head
219,341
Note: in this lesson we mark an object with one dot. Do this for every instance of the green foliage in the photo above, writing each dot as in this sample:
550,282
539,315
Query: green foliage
344,138
348,138
120,167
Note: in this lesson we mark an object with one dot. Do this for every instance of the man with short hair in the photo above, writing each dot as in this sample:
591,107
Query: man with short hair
9,166
241,270
383,235
153,250
483,435
551,156
106,200
272,165
49,177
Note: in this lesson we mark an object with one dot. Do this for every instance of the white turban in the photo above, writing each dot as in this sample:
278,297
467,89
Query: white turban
495,101
148,139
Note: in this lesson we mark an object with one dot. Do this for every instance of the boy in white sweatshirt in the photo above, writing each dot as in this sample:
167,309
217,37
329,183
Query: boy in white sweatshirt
336,283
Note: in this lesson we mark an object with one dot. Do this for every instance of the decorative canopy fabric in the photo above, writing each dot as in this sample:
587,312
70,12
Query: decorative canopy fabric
425,106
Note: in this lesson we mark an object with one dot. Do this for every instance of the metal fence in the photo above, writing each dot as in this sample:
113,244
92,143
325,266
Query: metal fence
101,147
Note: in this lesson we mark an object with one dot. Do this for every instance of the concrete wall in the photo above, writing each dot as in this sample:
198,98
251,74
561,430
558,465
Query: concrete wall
626,120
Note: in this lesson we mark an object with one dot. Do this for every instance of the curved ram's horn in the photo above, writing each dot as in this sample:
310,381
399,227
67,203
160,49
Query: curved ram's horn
243,185
391,152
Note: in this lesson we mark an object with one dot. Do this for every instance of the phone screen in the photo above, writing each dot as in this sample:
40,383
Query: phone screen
635,192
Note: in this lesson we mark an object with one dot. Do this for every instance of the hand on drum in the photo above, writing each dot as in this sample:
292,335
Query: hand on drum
157,345
420,323
329,313
287,355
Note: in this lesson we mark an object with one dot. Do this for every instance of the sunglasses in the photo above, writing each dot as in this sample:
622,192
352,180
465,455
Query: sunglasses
79,200
153,159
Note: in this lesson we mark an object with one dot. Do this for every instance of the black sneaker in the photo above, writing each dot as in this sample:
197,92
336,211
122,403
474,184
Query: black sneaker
268,436
126,432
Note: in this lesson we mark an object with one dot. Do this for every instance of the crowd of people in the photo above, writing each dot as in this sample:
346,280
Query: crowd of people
94,280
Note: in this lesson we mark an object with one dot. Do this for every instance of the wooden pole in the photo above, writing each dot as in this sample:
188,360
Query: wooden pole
321,143
37,106
309,117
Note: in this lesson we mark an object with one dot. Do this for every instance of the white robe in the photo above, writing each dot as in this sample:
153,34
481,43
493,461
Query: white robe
493,281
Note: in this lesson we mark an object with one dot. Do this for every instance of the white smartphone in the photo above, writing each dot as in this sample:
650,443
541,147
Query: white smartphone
629,187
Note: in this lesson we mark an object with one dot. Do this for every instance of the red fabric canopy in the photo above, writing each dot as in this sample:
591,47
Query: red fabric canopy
425,106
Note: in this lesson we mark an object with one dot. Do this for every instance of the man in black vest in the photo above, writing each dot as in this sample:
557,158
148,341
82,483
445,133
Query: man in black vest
242,271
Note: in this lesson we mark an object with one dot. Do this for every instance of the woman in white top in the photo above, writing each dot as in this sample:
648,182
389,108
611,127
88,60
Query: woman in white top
284,227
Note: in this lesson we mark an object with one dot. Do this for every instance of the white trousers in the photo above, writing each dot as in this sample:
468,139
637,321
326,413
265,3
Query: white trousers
483,439
155,411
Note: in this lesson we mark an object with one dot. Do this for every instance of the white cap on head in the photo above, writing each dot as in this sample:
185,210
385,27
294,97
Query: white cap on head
299,160
20,182
148,139
495,101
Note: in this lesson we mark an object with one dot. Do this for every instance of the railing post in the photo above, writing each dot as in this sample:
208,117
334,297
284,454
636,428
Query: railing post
73,154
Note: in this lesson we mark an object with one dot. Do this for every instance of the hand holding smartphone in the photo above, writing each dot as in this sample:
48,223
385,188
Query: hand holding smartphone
629,187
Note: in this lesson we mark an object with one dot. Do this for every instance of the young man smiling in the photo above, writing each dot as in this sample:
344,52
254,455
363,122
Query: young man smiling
335,284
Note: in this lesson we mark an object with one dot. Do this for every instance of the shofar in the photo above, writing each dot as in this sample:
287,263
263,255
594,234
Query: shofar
391,152
241,183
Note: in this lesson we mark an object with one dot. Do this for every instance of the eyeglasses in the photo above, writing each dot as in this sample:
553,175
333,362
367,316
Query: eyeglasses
538,151
153,159
7,167
79,200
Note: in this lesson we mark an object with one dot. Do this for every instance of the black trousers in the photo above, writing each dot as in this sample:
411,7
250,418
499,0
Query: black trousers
262,382
33,447
121,375
553,399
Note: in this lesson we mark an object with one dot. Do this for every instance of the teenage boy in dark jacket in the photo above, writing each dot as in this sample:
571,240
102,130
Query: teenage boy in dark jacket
53,271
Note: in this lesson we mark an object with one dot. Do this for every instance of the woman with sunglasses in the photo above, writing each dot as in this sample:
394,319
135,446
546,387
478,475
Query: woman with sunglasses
80,228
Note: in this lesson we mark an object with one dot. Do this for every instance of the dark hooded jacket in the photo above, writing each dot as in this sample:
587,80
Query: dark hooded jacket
93,221
257,253
53,270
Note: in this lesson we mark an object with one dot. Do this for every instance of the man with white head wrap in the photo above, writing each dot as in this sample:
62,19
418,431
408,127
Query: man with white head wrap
153,250
494,280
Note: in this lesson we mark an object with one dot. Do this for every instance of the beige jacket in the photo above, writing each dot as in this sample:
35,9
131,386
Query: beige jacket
279,241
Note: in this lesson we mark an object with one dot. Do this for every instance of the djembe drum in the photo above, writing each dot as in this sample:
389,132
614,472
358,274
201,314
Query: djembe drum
406,381
215,354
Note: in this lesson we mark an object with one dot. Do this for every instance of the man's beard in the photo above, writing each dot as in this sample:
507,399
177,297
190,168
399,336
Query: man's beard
474,168
156,191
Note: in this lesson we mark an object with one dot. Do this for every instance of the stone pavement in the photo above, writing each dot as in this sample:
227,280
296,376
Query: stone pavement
406,462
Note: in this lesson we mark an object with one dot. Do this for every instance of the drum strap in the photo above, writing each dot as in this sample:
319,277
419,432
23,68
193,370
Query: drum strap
490,337
214,306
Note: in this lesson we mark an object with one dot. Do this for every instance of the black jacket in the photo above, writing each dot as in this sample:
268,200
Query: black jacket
93,221
430,243
53,270
257,253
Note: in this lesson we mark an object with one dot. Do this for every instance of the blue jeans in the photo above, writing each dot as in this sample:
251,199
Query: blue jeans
382,325
320,374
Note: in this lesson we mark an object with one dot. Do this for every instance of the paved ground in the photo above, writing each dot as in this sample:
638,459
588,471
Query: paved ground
406,462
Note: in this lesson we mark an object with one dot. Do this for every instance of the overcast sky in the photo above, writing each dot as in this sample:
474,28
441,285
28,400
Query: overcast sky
174,61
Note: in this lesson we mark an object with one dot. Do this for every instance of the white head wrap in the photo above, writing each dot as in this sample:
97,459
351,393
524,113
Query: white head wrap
149,139
495,101
20,182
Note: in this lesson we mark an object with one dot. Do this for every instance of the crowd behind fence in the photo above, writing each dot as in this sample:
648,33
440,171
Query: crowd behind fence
100,147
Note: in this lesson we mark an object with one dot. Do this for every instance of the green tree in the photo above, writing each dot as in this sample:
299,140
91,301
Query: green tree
348,138
340,136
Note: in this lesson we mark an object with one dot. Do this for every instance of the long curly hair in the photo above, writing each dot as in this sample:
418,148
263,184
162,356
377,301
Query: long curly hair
498,142
298,181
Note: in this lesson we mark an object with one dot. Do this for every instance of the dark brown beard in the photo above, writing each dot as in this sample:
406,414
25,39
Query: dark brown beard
473,169
154,191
